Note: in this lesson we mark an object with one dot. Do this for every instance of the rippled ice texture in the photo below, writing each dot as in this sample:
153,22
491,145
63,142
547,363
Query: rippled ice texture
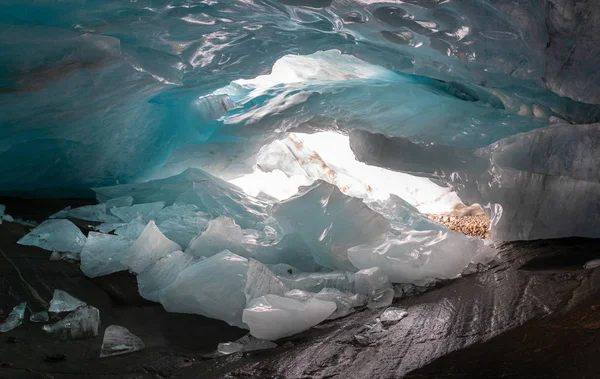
100,92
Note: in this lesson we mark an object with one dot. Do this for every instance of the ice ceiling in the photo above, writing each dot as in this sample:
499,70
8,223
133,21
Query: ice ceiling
155,102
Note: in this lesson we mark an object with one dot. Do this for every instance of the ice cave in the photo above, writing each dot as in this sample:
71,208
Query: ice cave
294,189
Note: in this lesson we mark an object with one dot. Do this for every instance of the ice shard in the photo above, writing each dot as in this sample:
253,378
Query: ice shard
56,235
41,316
392,315
329,223
63,302
164,272
102,254
14,318
146,210
245,344
81,324
119,340
316,281
96,212
222,233
219,287
370,280
273,317
150,246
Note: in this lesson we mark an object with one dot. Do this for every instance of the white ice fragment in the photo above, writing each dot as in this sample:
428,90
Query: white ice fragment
150,246
14,319
370,280
63,213
81,324
55,235
273,317
162,273
96,212
245,344
109,227
119,340
132,229
102,254
316,281
342,300
592,264
222,233
123,201
146,210
63,302
39,317
416,255
392,315
370,333
55,256
218,287
381,299
181,222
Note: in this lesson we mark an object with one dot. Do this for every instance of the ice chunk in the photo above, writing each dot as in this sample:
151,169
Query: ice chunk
273,317
95,212
342,300
123,201
146,210
55,256
119,340
150,246
291,249
109,227
381,298
102,254
81,324
392,315
162,273
40,317
329,222
55,235
370,280
181,222
132,229
402,215
592,264
316,281
63,213
216,287
245,344
412,256
222,233
63,302
14,319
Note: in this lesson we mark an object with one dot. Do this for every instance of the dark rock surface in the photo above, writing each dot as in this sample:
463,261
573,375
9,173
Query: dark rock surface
534,311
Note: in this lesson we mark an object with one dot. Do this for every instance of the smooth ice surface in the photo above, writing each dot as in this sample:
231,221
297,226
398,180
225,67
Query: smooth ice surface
39,317
14,318
381,299
102,254
392,315
371,280
63,302
96,212
55,235
150,246
329,223
592,264
245,344
81,324
222,233
162,273
316,281
119,340
273,317
219,287
147,211
416,255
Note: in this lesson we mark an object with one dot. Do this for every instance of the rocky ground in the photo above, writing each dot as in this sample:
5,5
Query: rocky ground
534,313
471,221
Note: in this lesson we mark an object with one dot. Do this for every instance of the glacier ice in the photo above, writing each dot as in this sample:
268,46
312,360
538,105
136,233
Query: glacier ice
119,340
14,318
102,254
245,344
80,324
219,287
222,233
56,235
63,302
317,281
329,222
370,280
592,264
273,317
41,316
146,210
150,246
381,298
392,315
343,300
164,272
412,255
